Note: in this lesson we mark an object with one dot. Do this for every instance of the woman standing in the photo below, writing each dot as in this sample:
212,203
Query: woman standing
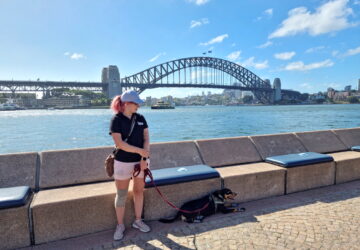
132,149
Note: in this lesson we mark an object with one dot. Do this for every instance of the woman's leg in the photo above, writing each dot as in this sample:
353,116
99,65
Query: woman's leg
122,187
138,191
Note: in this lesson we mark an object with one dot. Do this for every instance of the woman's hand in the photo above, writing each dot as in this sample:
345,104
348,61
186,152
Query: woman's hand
143,165
144,152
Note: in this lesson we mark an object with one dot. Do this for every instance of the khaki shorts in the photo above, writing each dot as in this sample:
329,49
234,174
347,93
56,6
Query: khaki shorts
125,170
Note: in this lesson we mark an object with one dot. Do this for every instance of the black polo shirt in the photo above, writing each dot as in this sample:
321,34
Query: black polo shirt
122,124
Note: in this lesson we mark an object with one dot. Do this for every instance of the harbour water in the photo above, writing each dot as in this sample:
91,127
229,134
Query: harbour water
41,130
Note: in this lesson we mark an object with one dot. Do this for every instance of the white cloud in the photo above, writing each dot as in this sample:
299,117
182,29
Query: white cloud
198,23
267,44
332,85
285,55
198,2
77,56
352,52
306,86
74,56
217,39
269,12
157,57
234,55
300,66
329,17
250,62
334,53
357,2
311,50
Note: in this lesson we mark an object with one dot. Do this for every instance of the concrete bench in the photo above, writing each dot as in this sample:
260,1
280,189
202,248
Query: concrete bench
179,185
16,170
301,177
347,166
350,137
72,211
71,167
240,167
174,154
14,219
347,163
254,181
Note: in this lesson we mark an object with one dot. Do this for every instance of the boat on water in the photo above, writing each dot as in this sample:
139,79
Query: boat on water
9,106
162,105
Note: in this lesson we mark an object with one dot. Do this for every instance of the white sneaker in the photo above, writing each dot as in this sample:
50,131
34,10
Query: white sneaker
119,232
139,224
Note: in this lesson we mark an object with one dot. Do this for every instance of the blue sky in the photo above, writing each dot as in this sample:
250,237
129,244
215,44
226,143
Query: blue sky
310,45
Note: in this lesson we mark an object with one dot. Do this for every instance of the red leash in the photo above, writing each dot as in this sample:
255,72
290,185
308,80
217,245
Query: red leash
147,172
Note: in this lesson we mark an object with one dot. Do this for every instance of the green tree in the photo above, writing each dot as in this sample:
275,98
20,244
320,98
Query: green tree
353,99
248,99
304,96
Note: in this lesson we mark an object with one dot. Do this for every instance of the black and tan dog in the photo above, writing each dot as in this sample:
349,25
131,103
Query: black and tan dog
216,202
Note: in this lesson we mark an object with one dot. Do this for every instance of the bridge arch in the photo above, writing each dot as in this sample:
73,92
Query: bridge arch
150,78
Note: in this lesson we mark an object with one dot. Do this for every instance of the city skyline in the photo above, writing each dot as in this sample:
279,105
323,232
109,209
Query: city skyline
310,46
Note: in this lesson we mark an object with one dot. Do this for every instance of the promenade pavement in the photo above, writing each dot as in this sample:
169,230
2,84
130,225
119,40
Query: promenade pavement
324,218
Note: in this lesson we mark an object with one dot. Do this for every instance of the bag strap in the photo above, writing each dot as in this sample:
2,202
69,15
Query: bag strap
132,127
133,119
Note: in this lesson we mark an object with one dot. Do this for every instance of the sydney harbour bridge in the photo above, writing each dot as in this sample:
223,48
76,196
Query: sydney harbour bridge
194,72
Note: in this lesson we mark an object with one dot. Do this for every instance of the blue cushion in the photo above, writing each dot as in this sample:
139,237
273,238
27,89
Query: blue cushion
293,160
168,176
14,196
356,148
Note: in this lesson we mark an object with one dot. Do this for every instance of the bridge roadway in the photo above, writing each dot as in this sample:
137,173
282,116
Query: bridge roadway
324,218
18,85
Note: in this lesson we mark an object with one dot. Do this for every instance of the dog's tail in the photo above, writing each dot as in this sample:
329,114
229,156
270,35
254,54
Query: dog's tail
170,220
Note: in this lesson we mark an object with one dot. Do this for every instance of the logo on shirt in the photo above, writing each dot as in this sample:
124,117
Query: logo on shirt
140,123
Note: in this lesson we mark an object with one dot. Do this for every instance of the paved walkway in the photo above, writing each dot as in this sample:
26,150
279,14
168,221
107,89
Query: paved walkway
325,218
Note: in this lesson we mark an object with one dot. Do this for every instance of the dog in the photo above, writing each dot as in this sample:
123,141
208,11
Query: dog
216,202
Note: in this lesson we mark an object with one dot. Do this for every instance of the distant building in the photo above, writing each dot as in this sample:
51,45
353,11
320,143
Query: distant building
66,101
104,75
331,93
148,101
277,87
359,85
111,76
348,88
318,96
341,96
245,93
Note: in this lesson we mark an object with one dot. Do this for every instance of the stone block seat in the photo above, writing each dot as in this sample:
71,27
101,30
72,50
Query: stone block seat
178,169
337,144
72,211
303,175
240,167
348,162
17,181
178,185
76,197
14,219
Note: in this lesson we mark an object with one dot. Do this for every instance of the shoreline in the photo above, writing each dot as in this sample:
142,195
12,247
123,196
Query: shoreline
239,105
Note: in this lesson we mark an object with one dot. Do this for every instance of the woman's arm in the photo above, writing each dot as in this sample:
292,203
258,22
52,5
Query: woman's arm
144,164
127,147
146,139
